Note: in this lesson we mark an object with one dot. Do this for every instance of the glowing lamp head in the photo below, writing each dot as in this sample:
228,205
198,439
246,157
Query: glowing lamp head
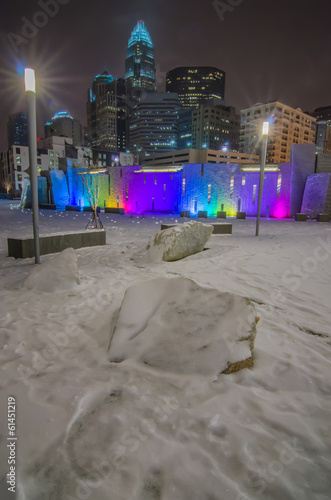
265,129
224,149
29,80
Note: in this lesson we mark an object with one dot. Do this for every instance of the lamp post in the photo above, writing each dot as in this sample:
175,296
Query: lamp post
265,132
224,149
30,90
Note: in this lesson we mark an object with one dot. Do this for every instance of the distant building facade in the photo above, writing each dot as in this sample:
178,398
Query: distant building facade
154,124
196,84
214,127
140,72
64,125
288,126
204,156
107,113
17,129
323,129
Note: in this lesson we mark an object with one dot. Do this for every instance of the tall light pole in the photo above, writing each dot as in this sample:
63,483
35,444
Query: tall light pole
265,132
30,90
224,149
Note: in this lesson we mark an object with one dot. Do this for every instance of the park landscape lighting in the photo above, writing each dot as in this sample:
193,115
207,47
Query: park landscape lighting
265,132
29,80
30,90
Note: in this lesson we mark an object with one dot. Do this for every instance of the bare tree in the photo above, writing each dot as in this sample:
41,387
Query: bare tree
6,183
91,179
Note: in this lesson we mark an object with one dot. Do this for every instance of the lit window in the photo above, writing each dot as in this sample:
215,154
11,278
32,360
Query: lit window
231,184
279,184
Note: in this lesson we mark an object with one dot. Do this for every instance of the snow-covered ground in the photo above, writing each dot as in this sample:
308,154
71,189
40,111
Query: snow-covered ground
89,428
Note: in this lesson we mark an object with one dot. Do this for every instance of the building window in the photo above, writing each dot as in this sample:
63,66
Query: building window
209,193
121,172
18,151
202,169
155,179
18,160
184,184
127,192
243,180
39,161
144,178
254,193
164,192
279,184
231,184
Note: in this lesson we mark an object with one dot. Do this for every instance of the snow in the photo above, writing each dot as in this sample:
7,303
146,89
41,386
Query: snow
91,429
180,241
56,275
177,326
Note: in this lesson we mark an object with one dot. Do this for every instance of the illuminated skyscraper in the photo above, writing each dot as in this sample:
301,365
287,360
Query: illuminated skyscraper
17,128
140,64
64,125
196,85
107,113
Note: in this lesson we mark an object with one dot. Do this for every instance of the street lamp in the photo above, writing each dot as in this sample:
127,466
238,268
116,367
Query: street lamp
30,90
224,149
265,132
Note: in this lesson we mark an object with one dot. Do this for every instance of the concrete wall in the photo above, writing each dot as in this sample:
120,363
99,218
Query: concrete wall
317,196
303,164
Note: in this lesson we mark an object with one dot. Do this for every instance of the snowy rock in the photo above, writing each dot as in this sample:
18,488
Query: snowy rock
180,241
178,326
55,275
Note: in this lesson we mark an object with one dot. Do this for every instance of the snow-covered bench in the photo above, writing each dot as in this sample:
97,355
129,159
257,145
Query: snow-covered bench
23,248
219,227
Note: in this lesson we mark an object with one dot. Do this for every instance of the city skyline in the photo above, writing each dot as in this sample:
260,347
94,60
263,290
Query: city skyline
261,59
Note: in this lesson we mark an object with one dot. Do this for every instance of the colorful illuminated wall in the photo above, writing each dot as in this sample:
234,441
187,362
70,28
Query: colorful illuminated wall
194,187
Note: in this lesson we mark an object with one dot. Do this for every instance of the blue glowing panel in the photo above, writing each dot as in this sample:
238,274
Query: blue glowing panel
60,188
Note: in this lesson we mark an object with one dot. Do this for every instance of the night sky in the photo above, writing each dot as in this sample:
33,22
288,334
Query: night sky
269,50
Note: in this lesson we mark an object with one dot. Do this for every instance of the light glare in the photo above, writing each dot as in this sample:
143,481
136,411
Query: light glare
265,130
29,80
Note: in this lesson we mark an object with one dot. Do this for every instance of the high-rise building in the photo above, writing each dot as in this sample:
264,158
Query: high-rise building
288,126
323,130
196,85
17,129
154,124
107,113
185,128
64,125
214,127
140,73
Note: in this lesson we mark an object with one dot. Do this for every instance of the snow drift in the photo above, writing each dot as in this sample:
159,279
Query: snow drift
55,275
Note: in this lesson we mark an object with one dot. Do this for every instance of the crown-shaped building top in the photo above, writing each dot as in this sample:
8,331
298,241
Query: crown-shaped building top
140,65
140,34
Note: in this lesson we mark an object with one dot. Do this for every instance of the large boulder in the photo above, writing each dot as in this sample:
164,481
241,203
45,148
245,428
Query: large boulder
178,326
180,241
56,275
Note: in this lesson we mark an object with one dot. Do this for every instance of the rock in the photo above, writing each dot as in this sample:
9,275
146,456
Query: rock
56,275
180,241
178,326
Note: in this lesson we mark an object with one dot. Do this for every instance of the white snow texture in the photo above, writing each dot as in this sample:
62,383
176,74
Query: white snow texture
180,241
